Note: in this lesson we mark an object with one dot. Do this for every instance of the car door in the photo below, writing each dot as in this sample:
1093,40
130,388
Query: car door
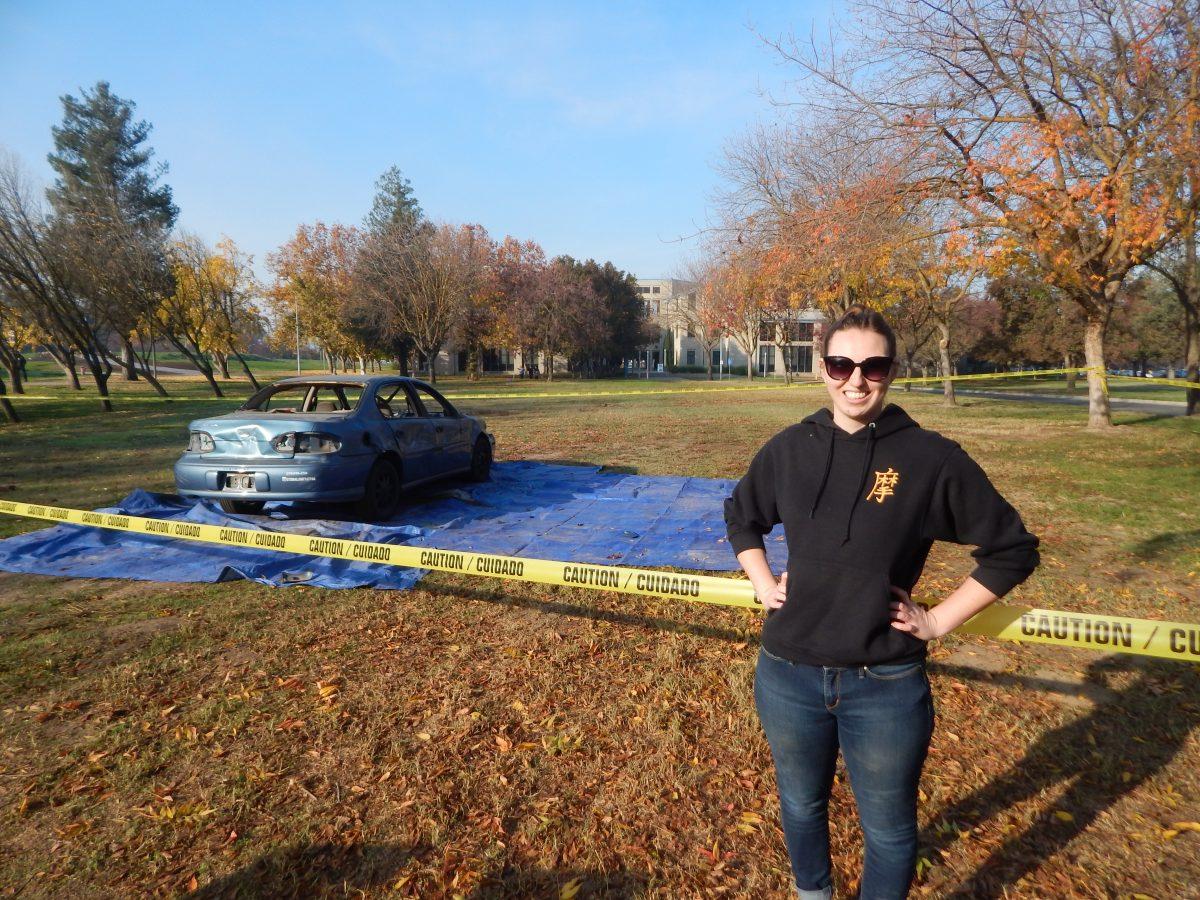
412,431
452,453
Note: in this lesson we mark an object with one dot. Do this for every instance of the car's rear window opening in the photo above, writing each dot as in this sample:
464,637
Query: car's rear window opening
306,398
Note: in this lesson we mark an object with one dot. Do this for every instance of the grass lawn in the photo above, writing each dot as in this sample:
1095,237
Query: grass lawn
493,739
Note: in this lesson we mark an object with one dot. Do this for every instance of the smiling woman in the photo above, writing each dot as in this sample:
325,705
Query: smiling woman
862,493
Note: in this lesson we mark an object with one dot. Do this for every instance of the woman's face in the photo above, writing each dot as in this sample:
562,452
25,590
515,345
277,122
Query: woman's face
856,401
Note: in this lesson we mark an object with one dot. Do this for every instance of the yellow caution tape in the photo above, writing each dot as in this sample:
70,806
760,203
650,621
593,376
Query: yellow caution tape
988,376
1154,382
647,582
1144,637
551,395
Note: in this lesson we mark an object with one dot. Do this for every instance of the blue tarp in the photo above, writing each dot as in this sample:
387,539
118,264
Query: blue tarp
530,509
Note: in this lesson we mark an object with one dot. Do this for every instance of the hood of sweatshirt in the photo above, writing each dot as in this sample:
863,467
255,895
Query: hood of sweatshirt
891,420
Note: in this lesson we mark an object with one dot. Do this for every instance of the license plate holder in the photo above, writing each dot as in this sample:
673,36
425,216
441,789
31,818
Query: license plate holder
239,481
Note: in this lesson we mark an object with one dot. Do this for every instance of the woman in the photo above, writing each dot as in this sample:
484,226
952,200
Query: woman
862,492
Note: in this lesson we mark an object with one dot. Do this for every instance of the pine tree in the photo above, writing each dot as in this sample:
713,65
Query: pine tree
101,162
395,205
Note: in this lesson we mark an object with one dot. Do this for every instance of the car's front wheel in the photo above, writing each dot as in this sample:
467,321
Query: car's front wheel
481,459
243,507
381,494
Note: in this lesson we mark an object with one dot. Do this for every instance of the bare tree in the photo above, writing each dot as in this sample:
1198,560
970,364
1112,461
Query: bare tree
38,283
419,283
697,314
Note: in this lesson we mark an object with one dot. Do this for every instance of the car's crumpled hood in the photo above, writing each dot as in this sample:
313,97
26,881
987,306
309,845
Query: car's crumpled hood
242,435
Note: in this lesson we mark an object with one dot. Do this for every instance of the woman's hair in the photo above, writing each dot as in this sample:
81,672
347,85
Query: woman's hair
864,319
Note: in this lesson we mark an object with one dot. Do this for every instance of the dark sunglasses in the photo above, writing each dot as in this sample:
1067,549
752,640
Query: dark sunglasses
874,368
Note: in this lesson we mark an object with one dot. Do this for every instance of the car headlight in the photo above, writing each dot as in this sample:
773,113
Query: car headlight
306,442
200,442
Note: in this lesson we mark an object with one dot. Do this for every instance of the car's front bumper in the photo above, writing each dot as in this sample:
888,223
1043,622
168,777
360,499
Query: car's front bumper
319,478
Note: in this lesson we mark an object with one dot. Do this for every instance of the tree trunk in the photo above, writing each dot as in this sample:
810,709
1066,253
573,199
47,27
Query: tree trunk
1191,326
1070,375
200,361
223,363
246,369
1099,411
6,406
362,365
128,362
944,359
66,361
473,362
908,373
14,375
100,376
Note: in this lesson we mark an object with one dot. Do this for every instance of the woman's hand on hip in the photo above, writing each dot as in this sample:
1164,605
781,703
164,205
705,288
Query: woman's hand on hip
774,596
916,620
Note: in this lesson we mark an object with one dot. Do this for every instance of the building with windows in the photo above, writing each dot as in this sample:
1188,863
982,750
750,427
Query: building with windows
672,304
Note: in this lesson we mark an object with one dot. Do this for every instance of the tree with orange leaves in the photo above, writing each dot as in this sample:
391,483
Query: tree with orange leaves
734,294
315,281
939,266
1050,123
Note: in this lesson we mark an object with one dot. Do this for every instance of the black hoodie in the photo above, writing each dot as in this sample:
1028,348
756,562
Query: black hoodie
860,512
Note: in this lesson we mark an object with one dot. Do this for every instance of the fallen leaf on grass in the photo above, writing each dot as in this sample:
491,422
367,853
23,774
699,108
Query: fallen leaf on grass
1186,826
1063,816
290,724
570,890
73,829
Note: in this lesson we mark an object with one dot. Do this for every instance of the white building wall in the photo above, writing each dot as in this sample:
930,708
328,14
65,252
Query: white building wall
664,298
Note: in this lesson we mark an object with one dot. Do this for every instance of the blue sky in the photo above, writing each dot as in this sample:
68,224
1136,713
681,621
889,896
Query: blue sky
593,129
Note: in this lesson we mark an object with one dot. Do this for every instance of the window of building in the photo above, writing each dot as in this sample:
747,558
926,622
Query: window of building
716,358
691,357
692,300
656,289
799,358
691,332
766,358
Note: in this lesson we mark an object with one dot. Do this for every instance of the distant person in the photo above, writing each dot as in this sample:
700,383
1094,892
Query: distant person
862,494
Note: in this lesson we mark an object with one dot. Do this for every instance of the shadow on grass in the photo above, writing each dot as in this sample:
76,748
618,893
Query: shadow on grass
522,883
1097,757
495,596
1144,420
1167,542
314,870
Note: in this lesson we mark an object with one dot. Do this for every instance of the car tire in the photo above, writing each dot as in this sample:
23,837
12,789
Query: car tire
481,459
381,493
243,507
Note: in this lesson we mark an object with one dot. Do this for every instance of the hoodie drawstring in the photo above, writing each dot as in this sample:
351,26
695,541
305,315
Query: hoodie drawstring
862,481
812,513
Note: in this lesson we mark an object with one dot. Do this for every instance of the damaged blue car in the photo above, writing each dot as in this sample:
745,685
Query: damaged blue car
333,438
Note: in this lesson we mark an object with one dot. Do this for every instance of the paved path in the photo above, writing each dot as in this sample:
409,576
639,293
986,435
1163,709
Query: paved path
1152,407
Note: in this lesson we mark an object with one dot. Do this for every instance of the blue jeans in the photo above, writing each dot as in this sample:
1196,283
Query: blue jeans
882,719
